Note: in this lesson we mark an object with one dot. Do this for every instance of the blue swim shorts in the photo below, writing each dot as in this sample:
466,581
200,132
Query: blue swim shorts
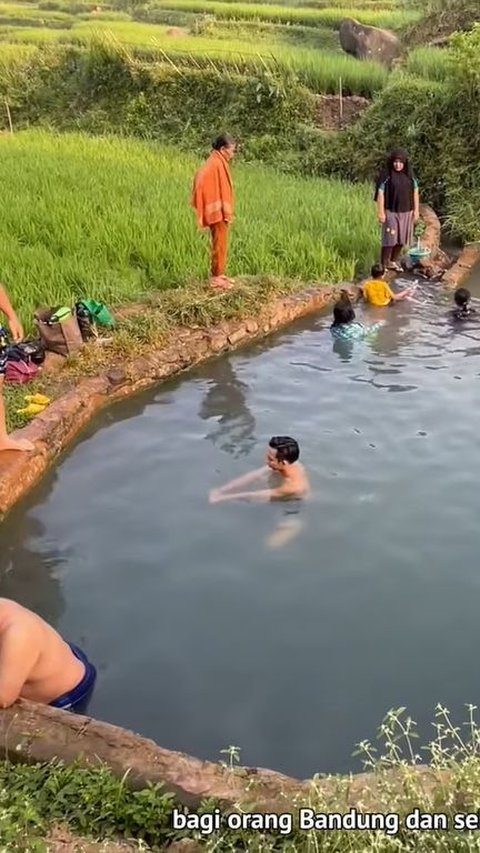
77,699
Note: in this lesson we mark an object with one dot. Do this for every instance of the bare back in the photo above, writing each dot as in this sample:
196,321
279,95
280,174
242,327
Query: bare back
35,662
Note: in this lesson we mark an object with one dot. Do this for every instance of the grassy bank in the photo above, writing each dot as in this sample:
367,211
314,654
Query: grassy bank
112,219
93,803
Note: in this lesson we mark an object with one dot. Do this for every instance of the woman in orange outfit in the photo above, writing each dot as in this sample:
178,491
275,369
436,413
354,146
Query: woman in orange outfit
213,202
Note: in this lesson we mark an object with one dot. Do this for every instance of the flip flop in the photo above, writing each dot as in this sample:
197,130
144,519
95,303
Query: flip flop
37,399
31,410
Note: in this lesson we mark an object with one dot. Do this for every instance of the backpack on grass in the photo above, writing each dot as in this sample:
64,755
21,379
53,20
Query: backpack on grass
59,331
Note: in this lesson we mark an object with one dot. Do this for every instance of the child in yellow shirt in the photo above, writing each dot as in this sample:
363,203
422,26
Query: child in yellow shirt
378,292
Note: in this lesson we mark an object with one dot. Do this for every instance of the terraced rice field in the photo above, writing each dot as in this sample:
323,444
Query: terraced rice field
299,37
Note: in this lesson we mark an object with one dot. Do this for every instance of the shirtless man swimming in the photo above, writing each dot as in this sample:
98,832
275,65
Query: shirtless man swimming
282,459
36,664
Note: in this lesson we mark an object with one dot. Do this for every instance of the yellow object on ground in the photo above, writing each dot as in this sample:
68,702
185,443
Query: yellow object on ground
31,410
38,399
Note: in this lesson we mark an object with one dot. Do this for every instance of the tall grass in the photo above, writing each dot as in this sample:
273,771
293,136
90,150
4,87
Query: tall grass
111,218
432,63
332,17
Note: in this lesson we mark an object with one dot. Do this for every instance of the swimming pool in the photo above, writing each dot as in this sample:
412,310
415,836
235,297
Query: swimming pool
204,636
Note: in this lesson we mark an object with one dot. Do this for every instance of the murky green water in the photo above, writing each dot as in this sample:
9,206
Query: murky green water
206,637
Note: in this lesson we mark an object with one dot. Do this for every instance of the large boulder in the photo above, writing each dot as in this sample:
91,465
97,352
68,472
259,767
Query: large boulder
369,42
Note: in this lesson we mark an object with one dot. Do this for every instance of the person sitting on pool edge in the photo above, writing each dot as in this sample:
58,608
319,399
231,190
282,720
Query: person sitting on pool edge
36,664
282,459
378,292
344,326
463,309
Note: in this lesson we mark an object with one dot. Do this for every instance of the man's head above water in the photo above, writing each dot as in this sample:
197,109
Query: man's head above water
282,450
462,297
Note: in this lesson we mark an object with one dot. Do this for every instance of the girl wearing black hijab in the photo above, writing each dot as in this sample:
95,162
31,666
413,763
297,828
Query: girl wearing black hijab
398,207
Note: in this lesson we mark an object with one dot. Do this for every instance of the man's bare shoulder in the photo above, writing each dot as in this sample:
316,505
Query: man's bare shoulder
297,485
14,617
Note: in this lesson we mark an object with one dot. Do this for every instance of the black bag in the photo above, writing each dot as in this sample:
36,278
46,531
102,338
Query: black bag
29,351
85,322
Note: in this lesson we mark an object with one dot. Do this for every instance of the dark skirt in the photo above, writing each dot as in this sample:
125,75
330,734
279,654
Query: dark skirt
397,229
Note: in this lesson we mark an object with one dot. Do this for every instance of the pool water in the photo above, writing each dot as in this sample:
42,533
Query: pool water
204,635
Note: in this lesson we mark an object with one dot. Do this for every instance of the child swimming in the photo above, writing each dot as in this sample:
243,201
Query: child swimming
463,309
378,292
344,326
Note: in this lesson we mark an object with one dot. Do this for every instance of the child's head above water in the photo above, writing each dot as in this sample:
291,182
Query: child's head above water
343,313
282,450
378,271
462,297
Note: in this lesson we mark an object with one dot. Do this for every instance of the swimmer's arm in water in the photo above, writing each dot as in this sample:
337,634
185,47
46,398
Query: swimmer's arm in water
17,659
261,495
239,481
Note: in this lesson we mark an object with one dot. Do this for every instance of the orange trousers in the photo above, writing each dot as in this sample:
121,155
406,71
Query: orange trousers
219,233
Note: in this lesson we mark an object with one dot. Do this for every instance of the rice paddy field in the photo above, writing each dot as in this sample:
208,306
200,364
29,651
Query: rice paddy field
110,218
300,36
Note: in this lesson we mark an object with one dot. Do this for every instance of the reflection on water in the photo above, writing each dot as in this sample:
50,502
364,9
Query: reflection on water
30,569
205,634
225,401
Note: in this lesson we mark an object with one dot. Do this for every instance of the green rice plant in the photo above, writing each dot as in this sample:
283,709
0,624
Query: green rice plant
321,70
111,218
34,35
24,12
374,5
320,38
104,16
11,53
330,17
432,63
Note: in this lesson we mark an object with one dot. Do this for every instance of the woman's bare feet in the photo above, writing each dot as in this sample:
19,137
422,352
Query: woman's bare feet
220,282
16,444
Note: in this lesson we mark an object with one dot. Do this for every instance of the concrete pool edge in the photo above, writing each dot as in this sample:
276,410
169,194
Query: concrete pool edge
54,430
33,734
